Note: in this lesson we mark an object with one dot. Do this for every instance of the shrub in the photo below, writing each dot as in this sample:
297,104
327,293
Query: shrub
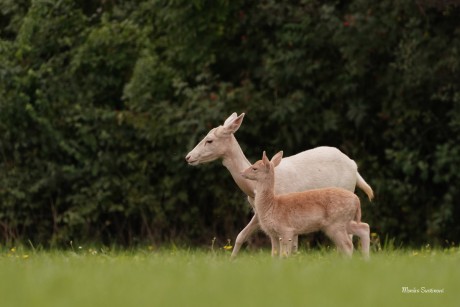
102,100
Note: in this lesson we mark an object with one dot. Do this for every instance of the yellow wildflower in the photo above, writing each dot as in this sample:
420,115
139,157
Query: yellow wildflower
228,247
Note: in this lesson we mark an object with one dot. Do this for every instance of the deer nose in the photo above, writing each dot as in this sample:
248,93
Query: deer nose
187,158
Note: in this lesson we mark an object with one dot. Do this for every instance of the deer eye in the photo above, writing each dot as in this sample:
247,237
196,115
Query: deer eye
209,141
254,169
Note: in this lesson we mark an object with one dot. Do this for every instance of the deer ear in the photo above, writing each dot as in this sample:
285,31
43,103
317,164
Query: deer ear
277,158
230,118
232,123
265,159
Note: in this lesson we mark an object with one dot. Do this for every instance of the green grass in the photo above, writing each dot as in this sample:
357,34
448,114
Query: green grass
203,278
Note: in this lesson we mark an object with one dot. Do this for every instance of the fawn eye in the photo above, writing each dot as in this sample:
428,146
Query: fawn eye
209,141
254,169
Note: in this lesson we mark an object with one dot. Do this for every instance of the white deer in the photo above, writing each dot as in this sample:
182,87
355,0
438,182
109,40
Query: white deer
335,211
311,169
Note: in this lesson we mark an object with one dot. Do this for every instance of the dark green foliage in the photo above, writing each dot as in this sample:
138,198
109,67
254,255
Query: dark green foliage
101,100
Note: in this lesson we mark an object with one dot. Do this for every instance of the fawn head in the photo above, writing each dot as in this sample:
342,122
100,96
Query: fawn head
261,169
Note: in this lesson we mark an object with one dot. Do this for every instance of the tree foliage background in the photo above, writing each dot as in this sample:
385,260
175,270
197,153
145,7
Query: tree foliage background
101,100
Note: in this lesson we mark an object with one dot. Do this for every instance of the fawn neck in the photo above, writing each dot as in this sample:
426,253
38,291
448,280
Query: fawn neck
265,192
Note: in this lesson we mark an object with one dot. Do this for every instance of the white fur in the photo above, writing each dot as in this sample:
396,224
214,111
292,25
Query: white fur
310,169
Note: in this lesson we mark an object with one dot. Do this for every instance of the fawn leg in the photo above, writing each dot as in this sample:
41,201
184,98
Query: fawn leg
286,244
342,240
275,246
295,244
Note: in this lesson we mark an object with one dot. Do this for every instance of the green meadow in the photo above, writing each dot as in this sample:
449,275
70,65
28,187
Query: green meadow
182,277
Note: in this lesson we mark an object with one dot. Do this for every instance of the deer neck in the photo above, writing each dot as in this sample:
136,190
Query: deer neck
235,161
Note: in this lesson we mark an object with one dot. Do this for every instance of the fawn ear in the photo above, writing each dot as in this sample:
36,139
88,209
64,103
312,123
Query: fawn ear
265,159
277,158
232,123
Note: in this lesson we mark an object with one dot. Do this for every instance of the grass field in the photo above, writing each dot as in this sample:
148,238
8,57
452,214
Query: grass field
171,277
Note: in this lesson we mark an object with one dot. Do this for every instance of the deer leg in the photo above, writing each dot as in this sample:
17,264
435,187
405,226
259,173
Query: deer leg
363,232
244,234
